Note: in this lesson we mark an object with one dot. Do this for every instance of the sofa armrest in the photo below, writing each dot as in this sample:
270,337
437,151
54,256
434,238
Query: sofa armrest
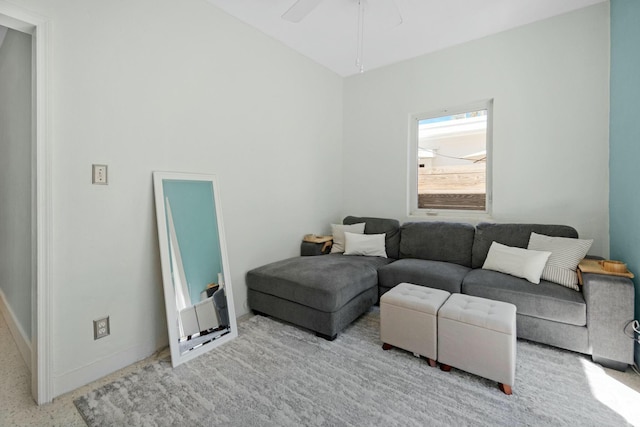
610,307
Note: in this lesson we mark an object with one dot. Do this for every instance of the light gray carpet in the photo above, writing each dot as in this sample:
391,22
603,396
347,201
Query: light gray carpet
277,375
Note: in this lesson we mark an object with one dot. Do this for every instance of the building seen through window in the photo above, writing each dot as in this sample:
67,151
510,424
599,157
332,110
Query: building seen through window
452,161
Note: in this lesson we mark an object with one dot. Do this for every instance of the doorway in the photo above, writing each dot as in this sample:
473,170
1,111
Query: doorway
39,342
17,239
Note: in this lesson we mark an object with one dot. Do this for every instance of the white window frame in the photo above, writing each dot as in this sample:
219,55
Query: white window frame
412,187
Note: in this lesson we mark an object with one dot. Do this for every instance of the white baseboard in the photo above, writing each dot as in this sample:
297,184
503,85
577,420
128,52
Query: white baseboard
22,342
77,378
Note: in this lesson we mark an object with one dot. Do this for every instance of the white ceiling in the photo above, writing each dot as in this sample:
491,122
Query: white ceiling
328,35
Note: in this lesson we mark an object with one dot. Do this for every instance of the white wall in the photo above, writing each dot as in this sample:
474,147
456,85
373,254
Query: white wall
175,86
549,82
15,180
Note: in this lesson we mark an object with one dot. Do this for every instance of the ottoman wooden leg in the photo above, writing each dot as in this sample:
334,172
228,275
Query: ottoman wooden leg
444,367
432,362
506,389
386,346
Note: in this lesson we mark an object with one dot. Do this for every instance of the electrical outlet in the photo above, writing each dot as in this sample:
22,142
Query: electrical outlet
101,328
99,174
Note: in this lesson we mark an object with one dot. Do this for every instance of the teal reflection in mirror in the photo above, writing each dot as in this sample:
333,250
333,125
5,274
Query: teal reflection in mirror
193,253
189,205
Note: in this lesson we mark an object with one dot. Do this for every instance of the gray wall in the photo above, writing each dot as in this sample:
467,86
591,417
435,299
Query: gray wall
15,176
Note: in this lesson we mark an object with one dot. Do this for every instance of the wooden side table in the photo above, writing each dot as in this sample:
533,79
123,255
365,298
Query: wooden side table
315,245
608,267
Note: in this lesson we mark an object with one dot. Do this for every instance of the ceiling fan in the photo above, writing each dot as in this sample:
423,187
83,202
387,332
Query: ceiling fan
381,11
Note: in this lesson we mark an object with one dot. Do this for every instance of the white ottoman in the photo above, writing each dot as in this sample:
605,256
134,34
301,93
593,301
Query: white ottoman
478,335
408,319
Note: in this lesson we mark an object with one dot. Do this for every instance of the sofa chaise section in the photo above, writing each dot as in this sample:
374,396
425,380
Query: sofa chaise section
322,293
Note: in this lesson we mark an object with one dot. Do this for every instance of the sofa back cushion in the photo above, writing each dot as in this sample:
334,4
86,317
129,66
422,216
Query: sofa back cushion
516,235
390,227
437,241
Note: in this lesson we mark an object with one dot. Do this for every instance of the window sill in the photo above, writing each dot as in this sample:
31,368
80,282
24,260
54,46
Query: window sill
448,215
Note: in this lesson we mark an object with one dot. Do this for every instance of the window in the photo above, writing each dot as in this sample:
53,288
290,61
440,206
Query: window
450,160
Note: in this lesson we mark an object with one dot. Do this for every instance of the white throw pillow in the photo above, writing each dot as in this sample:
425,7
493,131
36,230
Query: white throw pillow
338,235
517,262
566,254
365,244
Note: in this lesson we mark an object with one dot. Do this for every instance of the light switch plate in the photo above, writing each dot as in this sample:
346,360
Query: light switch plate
99,174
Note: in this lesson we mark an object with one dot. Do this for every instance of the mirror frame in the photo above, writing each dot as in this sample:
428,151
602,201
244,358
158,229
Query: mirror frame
178,358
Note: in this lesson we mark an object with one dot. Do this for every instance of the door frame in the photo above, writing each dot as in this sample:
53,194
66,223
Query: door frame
39,28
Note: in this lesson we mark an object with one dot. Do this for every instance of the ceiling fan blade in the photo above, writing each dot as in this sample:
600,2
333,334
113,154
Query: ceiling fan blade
300,9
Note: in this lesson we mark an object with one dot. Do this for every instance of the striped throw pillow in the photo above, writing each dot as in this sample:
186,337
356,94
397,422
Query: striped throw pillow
566,254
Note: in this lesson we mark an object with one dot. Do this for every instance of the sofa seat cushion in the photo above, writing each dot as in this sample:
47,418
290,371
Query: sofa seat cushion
325,282
546,300
434,274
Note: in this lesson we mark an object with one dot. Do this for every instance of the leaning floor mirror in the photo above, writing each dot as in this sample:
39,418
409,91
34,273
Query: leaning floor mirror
195,267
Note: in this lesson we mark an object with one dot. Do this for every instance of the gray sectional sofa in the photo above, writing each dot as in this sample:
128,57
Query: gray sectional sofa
325,293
